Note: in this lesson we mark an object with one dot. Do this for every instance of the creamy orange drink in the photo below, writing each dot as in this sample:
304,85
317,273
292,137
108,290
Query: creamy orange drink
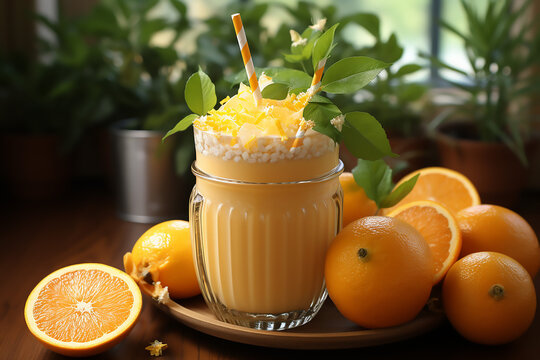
267,201
263,213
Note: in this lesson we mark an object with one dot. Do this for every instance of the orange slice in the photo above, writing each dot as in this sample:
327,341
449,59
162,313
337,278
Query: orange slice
439,228
83,309
446,186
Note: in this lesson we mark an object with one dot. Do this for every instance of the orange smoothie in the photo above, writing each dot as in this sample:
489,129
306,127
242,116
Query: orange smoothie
263,214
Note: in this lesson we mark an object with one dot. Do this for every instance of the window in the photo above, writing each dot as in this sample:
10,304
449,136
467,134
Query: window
451,46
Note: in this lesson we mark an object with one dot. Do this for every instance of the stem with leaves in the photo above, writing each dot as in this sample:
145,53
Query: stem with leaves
375,177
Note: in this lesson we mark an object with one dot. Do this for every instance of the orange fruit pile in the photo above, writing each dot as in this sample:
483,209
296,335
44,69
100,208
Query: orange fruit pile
495,228
485,256
83,309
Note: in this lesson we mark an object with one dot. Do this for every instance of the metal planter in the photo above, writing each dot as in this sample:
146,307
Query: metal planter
147,188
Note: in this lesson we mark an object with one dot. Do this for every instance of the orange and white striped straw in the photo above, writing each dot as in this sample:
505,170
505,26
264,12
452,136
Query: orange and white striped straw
315,85
246,56
317,77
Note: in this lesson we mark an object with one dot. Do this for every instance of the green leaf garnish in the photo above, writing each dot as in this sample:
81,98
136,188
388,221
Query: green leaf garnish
399,193
293,58
323,46
312,38
181,125
364,136
351,74
276,91
200,93
321,113
375,177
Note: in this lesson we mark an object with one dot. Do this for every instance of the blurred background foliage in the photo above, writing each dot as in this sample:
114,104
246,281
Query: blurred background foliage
131,59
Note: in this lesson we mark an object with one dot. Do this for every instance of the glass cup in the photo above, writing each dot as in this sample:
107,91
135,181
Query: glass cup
259,246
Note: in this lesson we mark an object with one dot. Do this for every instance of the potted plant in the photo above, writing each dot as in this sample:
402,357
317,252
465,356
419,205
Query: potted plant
48,103
486,136
146,85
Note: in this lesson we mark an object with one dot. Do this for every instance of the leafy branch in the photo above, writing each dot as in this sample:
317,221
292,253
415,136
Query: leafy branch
361,133
200,95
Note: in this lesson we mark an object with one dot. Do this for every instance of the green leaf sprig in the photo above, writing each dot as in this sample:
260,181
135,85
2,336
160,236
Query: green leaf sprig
361,133
375,177
200,95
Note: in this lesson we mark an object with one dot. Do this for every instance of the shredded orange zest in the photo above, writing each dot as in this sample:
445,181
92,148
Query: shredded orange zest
273,117
280,129
156,348
224,100
250,141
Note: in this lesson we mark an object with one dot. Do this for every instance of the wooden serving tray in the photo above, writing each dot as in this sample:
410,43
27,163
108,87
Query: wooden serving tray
328,330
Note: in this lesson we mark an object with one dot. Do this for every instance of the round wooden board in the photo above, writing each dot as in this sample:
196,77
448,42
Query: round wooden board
328,330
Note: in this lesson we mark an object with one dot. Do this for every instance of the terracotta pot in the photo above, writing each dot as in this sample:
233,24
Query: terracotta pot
33,166
416,151
492,167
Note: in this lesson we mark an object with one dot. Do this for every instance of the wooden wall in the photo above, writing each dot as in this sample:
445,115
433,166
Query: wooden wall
17,30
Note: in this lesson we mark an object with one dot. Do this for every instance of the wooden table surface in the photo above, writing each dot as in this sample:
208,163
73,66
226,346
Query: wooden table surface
40,237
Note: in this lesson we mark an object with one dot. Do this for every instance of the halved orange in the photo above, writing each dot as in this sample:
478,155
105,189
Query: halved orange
83,309
446,186
439,228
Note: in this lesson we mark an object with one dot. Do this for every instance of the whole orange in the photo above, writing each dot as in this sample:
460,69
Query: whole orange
164,251
495,228
489,298
379,272
356,204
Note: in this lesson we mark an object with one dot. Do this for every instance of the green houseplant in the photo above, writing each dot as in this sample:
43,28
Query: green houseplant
48,103
487,137
146,82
